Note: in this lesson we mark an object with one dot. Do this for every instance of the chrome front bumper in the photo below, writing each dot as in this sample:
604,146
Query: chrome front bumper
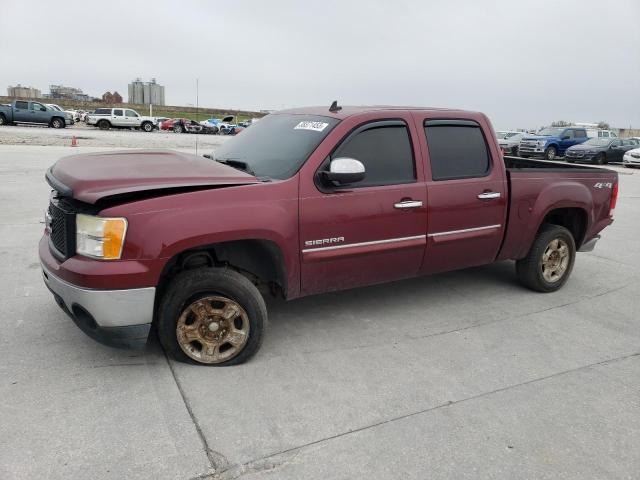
118,318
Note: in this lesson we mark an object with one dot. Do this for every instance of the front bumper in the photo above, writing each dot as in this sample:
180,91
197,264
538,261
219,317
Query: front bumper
117,318
629,160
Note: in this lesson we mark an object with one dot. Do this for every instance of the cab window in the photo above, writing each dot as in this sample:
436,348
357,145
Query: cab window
130,113
22,105
457,149
117,112
384,148
567,135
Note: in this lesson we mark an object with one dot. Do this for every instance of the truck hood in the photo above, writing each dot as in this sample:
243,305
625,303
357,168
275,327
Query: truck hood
97,176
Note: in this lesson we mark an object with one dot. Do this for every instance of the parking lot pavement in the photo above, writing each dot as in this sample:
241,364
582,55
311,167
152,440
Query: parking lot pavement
460,375
88,136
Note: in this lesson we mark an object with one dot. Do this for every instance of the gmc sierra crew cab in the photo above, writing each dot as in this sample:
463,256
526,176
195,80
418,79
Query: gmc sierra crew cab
23,111
305,201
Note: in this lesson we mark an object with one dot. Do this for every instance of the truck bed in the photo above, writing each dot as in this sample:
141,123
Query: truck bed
535,185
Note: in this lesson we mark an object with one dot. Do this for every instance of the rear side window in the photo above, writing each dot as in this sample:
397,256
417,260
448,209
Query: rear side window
457,149
581,134
117,112
385,152
23,105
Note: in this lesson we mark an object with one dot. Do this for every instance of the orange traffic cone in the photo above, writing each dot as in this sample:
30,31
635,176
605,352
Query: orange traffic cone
74,142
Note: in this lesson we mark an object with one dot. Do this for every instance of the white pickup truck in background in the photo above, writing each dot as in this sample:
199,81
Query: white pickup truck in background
106,118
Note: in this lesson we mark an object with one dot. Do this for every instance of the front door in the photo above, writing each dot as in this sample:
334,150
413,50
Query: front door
131,118
40,113
467,192
372,231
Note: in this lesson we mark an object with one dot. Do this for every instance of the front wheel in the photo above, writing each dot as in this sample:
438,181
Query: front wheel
211,316
178,128
550,260
550,153
600,159
57,123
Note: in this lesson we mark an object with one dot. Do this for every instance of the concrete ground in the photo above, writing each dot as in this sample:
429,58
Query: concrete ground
460,375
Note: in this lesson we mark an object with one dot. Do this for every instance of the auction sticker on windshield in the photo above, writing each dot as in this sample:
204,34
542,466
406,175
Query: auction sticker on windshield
315,126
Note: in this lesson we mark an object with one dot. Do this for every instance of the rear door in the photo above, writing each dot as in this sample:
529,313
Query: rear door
117,118
21,112
371,231
467,192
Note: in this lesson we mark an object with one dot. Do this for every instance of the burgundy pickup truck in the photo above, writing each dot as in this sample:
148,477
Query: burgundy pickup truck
305,201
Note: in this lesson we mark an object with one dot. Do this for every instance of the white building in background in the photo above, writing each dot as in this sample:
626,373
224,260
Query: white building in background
144,93
23,92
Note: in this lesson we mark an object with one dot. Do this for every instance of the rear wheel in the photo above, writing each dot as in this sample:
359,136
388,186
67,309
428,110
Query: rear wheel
147,127
550,153
550,260
104,125
211,316
3,120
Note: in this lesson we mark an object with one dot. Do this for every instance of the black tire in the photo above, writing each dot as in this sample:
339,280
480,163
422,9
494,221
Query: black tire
147,127
524,156
530,270
600,159
57,122
104,125
3,120
177,128
551,153
191,285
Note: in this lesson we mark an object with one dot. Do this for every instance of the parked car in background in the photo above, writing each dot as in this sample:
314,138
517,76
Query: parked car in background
511,143
74,114
600,150
305,202
184,125
631,158
168,123
598,133
23,111
551,142
504,134
106,118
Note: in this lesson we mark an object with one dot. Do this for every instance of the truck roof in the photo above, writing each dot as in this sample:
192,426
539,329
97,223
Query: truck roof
349,110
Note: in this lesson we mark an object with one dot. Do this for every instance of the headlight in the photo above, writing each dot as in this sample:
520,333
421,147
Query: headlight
99,237
542,143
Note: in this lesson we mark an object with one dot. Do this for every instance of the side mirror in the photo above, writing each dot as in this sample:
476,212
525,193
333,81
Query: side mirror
344,170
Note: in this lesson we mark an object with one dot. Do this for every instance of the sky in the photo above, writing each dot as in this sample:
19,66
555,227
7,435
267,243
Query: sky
523,63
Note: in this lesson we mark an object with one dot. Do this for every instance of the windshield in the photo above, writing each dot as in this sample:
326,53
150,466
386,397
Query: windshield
278,145
551,131
511,134
55,107
597,142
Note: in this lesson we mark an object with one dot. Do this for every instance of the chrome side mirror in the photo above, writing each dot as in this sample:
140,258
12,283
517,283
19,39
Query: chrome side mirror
344,170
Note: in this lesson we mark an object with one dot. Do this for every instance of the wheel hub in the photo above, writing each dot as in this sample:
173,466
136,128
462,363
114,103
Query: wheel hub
212,329
555,260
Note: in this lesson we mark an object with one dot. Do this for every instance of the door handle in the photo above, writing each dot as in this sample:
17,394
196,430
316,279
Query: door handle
408,204
489,195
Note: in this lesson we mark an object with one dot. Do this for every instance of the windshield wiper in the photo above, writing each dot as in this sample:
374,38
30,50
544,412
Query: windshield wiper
237,164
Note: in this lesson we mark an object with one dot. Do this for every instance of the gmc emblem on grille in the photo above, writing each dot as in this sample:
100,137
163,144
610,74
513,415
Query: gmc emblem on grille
48,221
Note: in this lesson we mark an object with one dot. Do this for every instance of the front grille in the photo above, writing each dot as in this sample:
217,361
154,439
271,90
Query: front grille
62,227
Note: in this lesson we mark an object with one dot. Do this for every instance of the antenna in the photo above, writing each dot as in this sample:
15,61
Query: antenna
197,106
334,107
